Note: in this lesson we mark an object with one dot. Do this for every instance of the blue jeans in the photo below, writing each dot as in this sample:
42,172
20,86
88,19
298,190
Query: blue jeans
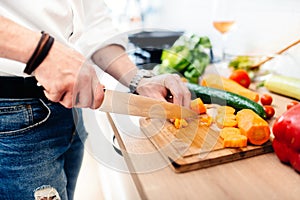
39,145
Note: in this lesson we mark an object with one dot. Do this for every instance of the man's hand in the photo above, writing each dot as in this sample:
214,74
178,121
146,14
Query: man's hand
114,60
161,86
67,79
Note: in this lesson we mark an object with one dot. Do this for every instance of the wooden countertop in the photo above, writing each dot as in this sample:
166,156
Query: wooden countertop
259,177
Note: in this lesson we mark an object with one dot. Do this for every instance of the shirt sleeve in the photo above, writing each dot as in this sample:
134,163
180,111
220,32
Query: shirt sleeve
98,29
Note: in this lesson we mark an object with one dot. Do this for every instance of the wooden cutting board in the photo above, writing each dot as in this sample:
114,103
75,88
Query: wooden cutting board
194,147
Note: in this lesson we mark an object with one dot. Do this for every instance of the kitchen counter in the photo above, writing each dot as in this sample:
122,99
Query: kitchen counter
258,177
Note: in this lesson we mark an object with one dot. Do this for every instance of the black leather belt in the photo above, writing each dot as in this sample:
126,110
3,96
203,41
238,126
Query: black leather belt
20,88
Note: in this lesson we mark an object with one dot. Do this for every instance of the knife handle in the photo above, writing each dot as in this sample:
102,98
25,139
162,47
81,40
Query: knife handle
169,96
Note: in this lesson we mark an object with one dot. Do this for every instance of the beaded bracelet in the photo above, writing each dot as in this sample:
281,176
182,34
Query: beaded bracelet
40,53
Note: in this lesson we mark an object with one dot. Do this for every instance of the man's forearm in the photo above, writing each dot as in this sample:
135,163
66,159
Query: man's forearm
114,60
16,42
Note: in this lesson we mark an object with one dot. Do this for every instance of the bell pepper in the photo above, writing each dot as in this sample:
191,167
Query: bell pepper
286,143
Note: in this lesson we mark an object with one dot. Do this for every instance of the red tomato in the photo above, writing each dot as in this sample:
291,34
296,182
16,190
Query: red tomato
266,99
241,76
291,104
270,111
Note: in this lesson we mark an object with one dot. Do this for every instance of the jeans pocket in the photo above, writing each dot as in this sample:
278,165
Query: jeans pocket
18,116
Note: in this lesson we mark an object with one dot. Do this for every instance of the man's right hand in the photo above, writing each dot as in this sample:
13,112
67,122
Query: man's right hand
67,79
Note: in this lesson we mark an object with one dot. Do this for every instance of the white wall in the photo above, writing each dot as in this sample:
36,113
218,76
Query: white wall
262,25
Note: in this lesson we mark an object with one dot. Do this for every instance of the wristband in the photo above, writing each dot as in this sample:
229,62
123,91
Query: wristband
141,73
40,53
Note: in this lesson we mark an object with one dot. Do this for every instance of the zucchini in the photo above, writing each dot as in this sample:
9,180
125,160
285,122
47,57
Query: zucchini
287,86
221,97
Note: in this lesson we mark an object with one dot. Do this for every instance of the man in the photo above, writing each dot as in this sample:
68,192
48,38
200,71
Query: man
38,143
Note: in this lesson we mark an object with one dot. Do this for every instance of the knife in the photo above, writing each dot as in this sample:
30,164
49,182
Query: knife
136,105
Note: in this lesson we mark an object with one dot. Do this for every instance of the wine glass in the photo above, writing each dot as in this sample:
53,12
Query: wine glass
223,19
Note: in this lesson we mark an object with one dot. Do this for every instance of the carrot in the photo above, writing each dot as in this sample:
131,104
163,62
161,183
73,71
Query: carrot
228,131
225,110
235,141
198,106
226,122
232,137
225,117
219,82
180,123
205,120
255,128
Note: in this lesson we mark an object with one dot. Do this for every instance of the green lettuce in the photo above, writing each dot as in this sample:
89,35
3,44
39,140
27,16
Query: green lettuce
188,56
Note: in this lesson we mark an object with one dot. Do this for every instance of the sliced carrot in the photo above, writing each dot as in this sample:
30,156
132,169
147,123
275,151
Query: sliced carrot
225,110
180,123
229,131
255,128
198,106
235,141
205,120
225,122
223,116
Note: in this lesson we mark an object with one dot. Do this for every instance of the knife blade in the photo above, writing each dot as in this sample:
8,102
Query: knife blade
136,105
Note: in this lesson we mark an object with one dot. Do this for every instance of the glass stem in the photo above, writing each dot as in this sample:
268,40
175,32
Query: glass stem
224,39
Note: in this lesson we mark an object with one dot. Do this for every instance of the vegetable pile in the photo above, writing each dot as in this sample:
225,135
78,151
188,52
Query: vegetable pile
237,129
188,57
286,143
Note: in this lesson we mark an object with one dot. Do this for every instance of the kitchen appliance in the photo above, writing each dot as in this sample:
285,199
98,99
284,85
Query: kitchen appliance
148,46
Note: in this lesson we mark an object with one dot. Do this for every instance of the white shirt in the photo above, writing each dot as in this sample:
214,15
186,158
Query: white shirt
83,24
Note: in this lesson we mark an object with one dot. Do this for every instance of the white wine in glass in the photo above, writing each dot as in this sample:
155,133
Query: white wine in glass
223,26
223,18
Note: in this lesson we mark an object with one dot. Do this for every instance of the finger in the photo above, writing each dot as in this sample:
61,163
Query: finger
59,93
98,91
67,100
179,91
159,97
184,95
98,95
54,96
186,100
172,83
83,93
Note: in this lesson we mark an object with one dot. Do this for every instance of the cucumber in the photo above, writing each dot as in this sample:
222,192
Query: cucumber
221,97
